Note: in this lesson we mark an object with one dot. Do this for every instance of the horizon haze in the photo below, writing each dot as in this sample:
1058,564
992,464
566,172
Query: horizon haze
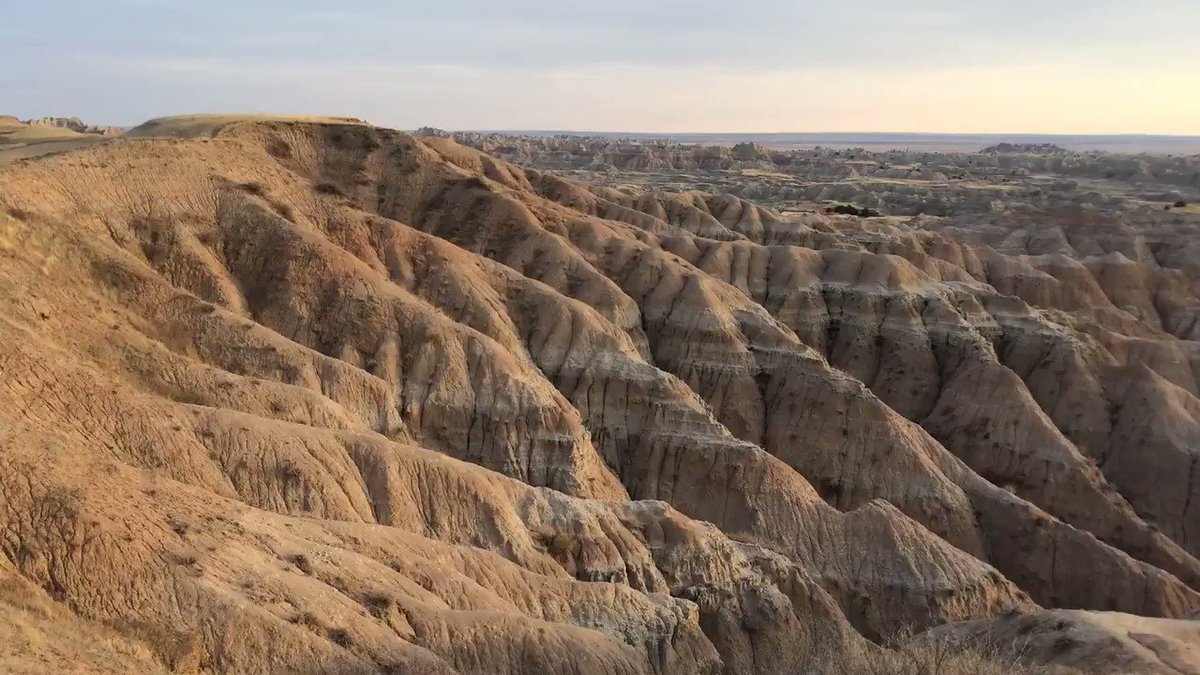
844,67
886,141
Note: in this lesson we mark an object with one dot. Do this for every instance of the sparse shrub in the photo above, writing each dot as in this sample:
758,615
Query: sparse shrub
209,239
252,187
340,637
282,209
18,213
472,183
302,562
1180,204
1063,643
377,604
190,398
279,149
852,210
61,503
328,189
306,619
830,489
557,543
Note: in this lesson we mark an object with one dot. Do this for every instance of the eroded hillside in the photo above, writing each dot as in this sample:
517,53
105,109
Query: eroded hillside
308,395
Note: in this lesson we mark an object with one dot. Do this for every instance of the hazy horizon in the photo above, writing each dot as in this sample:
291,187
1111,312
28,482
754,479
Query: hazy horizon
813,132
835,66
885,141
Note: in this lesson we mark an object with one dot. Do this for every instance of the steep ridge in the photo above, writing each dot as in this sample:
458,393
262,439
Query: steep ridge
717,391
1100,358
330,593
225,353
864,312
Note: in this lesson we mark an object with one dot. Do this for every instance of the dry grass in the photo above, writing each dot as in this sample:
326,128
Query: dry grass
943,653
40,635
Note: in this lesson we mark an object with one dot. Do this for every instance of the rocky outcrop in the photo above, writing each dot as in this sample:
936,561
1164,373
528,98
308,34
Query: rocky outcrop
75,124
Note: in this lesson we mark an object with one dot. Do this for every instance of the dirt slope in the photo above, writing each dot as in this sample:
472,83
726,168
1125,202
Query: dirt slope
299,395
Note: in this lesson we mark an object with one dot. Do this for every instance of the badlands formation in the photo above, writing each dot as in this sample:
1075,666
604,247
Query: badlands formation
47,135
306,395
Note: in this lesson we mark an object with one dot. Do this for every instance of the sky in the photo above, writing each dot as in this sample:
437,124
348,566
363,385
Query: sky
1029,66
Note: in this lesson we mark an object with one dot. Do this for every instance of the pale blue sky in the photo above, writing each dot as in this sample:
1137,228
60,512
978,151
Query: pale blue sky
1057,66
